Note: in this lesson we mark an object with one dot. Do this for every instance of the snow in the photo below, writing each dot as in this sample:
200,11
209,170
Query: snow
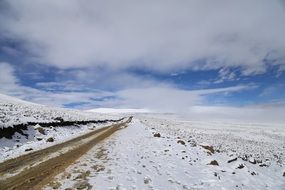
133,158
11,148
185,155
15,111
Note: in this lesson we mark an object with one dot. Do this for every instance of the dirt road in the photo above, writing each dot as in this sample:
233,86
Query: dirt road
32,171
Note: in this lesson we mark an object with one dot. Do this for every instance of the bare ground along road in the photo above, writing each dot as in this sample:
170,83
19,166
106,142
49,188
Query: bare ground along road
32,171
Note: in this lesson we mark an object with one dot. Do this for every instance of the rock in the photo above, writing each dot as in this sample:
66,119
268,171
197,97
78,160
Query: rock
98,168
214,163
157,135
147,180
41,130
252,161
181,142
39,139
253,173
59,119
50,139
29,149
245,157
232,160
83,185
284,174
83,175
240,166
263,165
209,148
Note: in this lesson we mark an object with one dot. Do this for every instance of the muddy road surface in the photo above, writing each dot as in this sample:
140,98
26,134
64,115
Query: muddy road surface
34,170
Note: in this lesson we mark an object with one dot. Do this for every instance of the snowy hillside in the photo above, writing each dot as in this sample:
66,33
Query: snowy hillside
25,126
14,111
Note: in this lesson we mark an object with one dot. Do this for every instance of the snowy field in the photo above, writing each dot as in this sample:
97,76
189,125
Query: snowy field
14,111
167,153
156,151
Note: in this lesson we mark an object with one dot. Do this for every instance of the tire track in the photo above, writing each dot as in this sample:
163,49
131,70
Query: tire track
33,170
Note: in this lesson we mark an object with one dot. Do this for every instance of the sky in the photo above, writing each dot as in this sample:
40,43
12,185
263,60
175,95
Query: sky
184,56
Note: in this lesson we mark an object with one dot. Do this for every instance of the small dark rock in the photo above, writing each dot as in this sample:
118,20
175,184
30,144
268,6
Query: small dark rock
263,165
51,139
253,173
240,166
232,160
39,139
284,174
146,180
181,142
41,130
209,148
214,163
82,185
252,161
157,135
59,119
29,149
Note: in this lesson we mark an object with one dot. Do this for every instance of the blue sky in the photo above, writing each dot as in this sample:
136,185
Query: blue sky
104,54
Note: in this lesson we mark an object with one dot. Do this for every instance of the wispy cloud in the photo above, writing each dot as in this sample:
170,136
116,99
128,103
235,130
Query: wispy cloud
153,95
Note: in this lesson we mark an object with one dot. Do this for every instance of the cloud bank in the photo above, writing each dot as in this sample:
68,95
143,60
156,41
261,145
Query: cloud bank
153,95
160,35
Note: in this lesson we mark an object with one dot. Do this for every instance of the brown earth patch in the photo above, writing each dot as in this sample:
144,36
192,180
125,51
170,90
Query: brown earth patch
36,176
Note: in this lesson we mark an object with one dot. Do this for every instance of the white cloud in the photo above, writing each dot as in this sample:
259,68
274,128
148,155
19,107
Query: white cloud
163,35
9,84
152,95
255,114
170,99
7,77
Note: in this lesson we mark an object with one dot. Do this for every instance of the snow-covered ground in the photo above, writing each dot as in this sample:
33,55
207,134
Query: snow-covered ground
14,111
167,153
156,151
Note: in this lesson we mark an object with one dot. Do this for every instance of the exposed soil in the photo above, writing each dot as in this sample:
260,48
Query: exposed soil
34,171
